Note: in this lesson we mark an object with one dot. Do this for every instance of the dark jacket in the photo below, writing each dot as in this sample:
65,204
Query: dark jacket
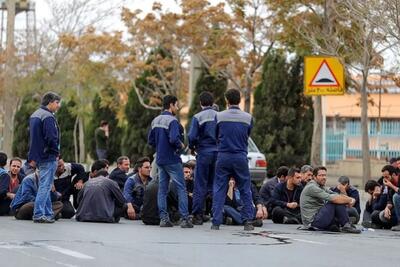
267,190
377,204
202,131
27,192
119,176
150,215
134,191
4,182
353,193
280,196
63,183
44,139
166,136
97,200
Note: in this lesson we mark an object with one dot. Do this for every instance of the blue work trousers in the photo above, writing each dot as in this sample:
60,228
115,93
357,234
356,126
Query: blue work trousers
330,214
43,208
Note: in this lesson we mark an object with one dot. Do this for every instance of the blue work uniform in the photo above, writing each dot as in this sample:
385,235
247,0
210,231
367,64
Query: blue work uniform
233,130
202,139
166,136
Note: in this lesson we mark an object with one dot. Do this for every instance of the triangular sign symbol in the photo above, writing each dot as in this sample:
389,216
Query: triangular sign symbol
324,76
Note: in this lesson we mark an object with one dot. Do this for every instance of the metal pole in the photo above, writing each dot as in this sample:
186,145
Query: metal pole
323,156
378,126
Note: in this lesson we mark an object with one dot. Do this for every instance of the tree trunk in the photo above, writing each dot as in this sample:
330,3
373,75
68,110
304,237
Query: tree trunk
75,140
82,154
364,120
317,132
247,99
9,95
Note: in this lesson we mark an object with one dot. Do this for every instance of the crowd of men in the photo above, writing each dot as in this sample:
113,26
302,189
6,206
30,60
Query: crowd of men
165,192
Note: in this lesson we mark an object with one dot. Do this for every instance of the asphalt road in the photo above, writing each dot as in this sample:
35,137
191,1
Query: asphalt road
69,243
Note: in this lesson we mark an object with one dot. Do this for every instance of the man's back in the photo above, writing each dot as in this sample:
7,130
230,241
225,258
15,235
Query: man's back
98,199
202,131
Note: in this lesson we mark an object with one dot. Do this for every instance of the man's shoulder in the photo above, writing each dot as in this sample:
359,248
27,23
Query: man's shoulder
234,115
163,121
42,114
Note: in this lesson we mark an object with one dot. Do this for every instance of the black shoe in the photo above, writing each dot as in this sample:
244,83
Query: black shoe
248,226
214,227
166,224
206,218
287,220
228,220
258,223
347,228
186,223
334,228
198,219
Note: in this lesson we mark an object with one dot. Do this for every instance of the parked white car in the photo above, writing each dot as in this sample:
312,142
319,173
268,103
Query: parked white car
257,162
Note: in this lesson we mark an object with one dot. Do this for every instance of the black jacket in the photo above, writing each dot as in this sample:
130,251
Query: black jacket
280,196
119,176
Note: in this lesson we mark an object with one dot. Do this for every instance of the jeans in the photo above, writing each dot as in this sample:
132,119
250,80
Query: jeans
279,213
101,153
330,214
204,176
227,167
43,207
174,171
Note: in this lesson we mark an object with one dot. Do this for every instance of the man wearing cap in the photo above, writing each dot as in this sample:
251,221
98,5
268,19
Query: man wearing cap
345,188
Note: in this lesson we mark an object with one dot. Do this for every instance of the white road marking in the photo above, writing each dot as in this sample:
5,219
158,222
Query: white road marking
66,251
309,241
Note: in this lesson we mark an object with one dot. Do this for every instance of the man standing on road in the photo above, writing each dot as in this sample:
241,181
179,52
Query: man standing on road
101,135
232,130
44,149
202,140
166,136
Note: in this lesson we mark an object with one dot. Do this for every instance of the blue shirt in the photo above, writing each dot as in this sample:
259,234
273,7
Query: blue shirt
166,136
134,190
233,131
201,135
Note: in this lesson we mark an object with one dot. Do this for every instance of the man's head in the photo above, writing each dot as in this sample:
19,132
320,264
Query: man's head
106,162
143,166
187,171
52,101
389,172
294,176
3,159
282,173
371,186
123,163
306,173
232,97
319,175
60,166
15,166
344,181
170,103
104,124
98,169
206,99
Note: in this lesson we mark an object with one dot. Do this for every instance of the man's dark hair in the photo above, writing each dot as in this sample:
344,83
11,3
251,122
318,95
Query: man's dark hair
390,169
139,163
392,160
103,123
206,99
282,170
187,165
50,97
105,162
15,159
3,159
121,159
292,171
232,96
370,185
317,169
168,100
98,165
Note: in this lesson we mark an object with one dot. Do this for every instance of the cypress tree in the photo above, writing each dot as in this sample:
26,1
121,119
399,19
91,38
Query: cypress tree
105,112
66,121
283,115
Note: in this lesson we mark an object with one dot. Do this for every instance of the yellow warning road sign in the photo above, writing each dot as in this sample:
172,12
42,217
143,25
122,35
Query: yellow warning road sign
323,76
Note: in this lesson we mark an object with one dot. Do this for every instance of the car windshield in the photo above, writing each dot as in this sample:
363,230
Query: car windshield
252,146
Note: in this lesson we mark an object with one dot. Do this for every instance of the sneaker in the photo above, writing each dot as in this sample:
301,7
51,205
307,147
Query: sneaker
287,220
166,223
258,223
351,230
198,219
396,228
44,220
186,223
214,227
248,226
334,228
367,224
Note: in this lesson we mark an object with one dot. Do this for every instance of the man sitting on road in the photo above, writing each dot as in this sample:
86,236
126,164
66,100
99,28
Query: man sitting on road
66,175
23,203
119,174
306,174
376,204
4,183
286,198
135,187
267,189
345,188
15,179
100,200
323,209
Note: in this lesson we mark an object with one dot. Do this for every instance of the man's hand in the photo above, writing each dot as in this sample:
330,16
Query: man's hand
387,213
193,152
10,195
342,189
131,212
388,183
292,205
265,212
259,214
352,202
53,188
377,192
79,185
